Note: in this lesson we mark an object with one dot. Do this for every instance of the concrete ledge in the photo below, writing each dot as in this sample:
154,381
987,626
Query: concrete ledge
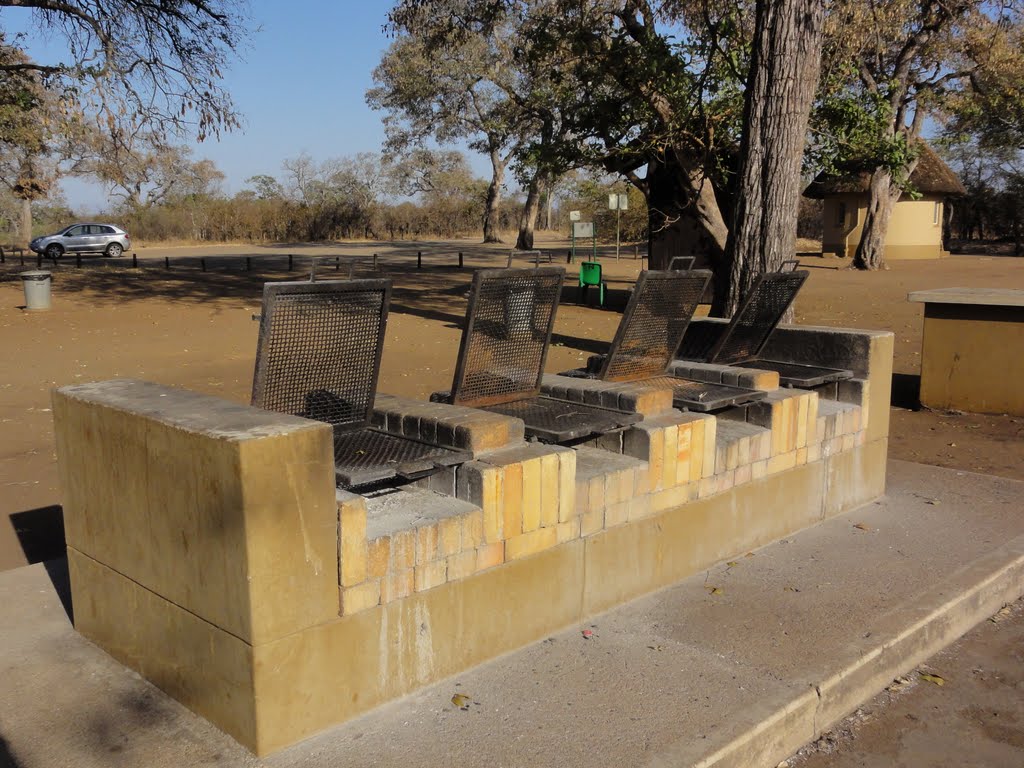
451,426
633,397
749,378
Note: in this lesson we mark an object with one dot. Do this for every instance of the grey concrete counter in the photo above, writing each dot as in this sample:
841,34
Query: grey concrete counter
995,297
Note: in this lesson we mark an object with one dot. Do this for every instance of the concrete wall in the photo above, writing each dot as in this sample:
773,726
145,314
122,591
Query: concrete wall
972,358
209,551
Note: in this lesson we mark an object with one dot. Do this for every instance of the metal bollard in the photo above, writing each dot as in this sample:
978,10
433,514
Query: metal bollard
290,262
375,262
135,261
460,259
419,259
202,264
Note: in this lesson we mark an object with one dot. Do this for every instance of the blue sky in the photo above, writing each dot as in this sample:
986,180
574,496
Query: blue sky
300,88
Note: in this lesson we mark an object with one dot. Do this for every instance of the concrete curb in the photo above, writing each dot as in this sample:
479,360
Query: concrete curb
979,590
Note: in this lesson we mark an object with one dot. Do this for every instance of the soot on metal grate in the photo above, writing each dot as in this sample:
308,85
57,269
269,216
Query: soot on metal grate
319,349
653,324
757,317
508,326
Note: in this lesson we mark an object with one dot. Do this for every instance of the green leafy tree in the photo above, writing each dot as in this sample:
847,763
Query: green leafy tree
447,96
894,64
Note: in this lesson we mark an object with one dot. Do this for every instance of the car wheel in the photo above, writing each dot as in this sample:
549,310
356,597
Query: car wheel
114,250
54,251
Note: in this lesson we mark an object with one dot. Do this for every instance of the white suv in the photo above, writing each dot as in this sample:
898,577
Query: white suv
83,238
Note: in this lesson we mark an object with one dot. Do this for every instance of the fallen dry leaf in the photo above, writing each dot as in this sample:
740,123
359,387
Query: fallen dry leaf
932,678
790,589
732,564
713,590
462,701
1002,614
862,526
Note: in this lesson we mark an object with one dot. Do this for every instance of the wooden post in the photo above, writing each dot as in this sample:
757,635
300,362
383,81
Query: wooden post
419,259
460,259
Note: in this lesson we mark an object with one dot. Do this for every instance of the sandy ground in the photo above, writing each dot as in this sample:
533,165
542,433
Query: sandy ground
195,329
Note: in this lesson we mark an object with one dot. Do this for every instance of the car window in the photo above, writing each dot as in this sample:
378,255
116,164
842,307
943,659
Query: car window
104,230
75,232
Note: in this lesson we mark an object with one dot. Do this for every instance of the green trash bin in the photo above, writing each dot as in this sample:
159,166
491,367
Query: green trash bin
590,274
37,288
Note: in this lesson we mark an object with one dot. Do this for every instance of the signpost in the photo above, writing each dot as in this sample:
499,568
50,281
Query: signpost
617,203
583,229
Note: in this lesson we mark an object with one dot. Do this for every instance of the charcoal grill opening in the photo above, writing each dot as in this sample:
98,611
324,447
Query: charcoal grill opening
504,345
318,356
653,325
742,341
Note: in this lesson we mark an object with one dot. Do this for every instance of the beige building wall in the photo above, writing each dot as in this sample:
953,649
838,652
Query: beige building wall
843,220
915,229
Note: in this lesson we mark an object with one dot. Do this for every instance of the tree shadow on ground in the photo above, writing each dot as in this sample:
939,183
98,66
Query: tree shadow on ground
434,292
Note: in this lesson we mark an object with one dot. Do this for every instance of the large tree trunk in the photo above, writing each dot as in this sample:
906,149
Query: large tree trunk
494,198
682,208
549,196
528,219
784,64
25,228
882,198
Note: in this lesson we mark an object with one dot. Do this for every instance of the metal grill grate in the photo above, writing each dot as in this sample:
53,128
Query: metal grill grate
319,349
558,421
653,324
504,344
757,317
703,396
366,456
800,375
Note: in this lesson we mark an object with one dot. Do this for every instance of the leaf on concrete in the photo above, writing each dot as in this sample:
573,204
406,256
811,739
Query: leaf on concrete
732,564
932,678
462,701
790,589
862,526
898,684
713,590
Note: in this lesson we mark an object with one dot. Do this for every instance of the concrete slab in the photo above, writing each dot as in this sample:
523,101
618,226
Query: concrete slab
738,666
999,297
